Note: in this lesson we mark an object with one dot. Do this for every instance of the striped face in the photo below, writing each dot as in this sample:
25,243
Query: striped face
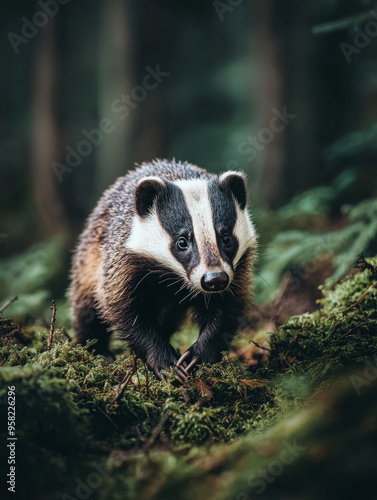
199,228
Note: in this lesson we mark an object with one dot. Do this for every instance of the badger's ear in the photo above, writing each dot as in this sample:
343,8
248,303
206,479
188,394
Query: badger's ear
146,192
236,182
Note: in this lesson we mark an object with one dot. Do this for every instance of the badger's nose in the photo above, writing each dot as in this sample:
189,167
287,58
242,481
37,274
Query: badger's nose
215,282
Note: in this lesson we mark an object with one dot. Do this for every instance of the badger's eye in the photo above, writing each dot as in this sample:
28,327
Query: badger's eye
182,243
226,239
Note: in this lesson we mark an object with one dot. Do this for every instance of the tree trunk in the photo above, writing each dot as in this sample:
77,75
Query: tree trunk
44,137
115,78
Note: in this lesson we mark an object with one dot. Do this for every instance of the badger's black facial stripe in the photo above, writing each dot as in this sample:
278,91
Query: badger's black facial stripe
224,217
176,220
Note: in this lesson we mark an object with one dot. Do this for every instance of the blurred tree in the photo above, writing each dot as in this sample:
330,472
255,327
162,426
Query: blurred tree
116,77
44,138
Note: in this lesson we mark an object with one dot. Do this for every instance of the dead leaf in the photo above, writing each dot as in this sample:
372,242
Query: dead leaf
206,391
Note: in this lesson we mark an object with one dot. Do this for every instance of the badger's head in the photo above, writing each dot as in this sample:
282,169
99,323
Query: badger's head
198,228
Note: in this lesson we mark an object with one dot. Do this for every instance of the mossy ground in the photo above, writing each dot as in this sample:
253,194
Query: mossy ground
293,426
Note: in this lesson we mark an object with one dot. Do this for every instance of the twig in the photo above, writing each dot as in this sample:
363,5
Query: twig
134,364
234,415
52,326
124,384
260,346
107,416
231,366
156,431
354,328
115,369
354,303
7,304
361,297
146,378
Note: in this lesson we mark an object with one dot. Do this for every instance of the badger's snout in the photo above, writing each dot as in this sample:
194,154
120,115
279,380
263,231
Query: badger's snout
215,281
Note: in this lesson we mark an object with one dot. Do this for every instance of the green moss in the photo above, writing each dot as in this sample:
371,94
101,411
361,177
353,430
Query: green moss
73,409
340,334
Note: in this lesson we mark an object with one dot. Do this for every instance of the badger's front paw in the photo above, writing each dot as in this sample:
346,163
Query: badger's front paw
164,360
199,353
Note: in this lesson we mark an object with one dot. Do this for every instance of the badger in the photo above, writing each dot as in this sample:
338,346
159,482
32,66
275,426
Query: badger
166,242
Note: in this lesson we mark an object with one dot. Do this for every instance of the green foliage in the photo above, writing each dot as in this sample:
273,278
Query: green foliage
344,23
32,276
309,248
357,142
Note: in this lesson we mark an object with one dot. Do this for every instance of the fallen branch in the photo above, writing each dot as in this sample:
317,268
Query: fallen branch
7,304
52,326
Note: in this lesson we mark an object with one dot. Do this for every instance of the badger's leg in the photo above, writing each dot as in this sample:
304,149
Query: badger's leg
217,329
89,326
83,293
151,343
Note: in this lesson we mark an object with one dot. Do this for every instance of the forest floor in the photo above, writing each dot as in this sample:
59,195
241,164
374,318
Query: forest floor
290,414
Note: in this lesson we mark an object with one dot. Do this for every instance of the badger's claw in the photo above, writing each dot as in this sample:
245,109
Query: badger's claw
159,375
195,359
180,373
196,354
180,379
183,357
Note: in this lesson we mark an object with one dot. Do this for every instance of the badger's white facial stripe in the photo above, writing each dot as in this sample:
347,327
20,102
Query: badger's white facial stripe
196,196
149,238
244,232
195,193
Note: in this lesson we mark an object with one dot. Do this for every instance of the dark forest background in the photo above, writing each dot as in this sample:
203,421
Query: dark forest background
229,68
